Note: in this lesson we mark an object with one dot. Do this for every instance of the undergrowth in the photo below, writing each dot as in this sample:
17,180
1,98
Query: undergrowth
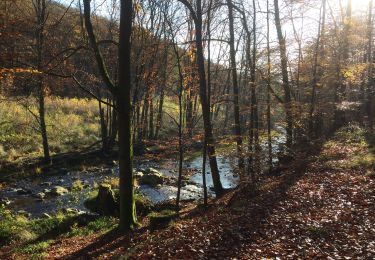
33,236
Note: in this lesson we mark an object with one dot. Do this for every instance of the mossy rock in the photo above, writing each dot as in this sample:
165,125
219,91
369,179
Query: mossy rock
162,218
106,200
110,205
59,191
151,177
142,204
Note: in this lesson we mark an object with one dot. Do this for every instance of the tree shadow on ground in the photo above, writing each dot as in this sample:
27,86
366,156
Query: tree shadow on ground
106,243
229,241
258,206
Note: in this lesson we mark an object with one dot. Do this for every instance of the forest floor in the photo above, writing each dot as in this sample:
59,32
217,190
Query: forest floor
322,206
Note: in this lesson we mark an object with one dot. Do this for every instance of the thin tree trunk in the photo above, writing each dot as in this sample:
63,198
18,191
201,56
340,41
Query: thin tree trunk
203,96
368,97
159,119
269,137
41,16
151,120
253,130
316,73
103,128
285,77
233,64
180,126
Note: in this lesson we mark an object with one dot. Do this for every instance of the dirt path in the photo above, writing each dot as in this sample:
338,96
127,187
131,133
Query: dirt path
321,208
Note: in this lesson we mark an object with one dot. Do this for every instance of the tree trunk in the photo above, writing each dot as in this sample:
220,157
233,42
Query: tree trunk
368,97
204,102
103,129
41,16
159,119
316,74
151,120
253,130
285,77
114,127
269,137
233,64
122,94
127,203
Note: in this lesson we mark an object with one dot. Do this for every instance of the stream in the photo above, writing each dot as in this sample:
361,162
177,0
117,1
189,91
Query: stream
26,196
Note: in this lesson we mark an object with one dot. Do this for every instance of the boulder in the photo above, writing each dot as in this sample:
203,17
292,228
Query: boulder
59,191
46,215
106,201
23,191
138,175
47,183
40,195
23,213
154,149
151,171
151,177
70,211
4,201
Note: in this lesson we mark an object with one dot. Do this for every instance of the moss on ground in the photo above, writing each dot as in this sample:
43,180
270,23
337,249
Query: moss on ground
162,218
33,236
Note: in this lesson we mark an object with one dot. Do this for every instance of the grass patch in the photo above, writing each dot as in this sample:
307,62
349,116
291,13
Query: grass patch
36,250
99,225
351,134
72,124
317,232
33,236
162,218
351,148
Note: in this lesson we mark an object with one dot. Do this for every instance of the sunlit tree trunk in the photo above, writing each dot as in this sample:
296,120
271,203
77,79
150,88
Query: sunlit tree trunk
285,77
198,17
233,65
128,217
316,69
368,93
269,127
40,6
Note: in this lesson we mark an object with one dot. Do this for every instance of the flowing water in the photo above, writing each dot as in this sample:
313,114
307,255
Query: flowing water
22,195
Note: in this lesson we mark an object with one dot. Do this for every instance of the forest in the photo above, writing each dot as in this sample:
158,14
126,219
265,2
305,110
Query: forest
187,129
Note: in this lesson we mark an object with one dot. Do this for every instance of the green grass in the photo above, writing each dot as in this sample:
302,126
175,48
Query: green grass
162,218
36,250
72,124
317,232
33,236
361,149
